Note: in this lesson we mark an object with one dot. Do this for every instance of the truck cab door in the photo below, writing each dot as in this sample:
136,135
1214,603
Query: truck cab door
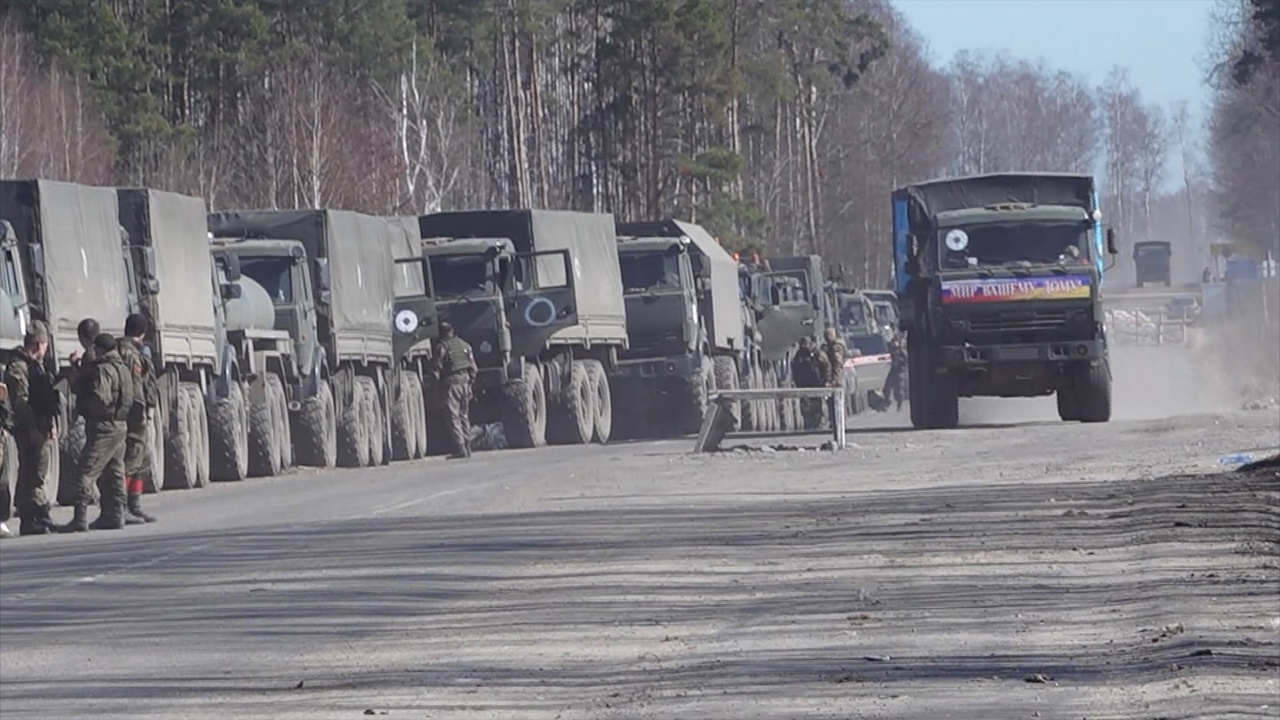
415,318
16,315
546,304
300,315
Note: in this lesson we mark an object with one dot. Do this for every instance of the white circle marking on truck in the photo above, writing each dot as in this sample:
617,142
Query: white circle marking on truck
539,302
957,240
406,321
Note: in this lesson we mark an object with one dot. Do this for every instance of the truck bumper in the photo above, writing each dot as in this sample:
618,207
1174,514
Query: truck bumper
970,356
680,366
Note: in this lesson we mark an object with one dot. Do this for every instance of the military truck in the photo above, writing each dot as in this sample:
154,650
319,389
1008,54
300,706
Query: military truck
413,435
999,279
511,284
201,426
331,273
65,249
1151,262
685,326
783,313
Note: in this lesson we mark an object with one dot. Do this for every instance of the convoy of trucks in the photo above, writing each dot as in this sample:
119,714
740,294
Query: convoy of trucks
285,337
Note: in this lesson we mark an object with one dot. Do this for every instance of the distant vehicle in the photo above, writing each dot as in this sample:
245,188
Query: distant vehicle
870,360
885,305
1151,260
1183,307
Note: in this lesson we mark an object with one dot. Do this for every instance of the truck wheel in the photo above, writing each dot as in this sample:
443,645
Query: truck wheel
155,446
750,409
354,428
377,419
183,442
524,410
203,468
603,420
264,436
69,449
769,381
1093,392
697,390
574,421
418,412
1067,398
726,371
275,389
946,402
316,429
404,430
229,436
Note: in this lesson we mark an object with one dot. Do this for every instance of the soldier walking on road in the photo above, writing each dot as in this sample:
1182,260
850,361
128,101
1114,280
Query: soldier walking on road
146,396
36,406
897,370
104,396
455,364
836,353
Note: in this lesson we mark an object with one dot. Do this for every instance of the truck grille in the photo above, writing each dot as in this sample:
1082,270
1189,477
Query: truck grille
1017,320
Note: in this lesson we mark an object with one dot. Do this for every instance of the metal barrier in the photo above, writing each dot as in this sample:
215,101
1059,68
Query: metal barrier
718,420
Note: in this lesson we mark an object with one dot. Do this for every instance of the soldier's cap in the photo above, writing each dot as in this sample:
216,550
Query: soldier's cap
105,341
446,326
36,333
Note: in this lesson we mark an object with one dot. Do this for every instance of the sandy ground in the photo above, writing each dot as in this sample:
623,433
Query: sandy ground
1015,568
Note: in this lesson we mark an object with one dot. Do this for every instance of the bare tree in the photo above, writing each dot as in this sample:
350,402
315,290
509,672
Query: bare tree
1151,134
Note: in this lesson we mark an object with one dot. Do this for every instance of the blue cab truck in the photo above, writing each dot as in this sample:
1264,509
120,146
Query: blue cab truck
999,282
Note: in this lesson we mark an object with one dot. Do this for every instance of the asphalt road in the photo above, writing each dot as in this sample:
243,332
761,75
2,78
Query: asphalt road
1015,568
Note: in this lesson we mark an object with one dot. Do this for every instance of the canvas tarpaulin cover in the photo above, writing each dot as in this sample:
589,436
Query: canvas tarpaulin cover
940,196
407,244
590,239
78,228
726,303
358,248
174,227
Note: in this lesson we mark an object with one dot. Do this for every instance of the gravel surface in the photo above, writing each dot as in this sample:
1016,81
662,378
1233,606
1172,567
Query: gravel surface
1015,568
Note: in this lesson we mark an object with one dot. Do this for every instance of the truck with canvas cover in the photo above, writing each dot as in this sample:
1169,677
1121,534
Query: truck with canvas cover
999,281
1151,262
685,326
416,430
69,258
331,273
511,282
199,426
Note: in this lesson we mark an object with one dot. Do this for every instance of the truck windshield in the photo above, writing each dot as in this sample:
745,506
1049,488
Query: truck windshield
458,275
1006,244
274,274
852,313
643,271
1153,252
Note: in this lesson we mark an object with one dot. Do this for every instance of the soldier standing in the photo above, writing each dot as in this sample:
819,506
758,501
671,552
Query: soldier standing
836,352
807,371
455,365
137,448
104,396
897,370
36,406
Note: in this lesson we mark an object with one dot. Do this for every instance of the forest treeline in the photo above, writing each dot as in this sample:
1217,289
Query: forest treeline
779,124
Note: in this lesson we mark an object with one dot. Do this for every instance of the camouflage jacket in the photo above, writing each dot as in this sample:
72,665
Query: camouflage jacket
455,361
34,401
106,390
836,353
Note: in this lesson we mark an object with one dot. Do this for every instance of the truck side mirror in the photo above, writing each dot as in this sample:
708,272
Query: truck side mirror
232,291
322,267
231,266
37,259
1111,242
152,286
149,262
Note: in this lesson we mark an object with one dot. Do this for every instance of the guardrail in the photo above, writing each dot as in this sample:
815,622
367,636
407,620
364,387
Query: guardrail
718,421
1135,327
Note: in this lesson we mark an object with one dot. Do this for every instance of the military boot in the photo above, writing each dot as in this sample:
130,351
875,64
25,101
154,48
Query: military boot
33,523
111,517
135,512
79,521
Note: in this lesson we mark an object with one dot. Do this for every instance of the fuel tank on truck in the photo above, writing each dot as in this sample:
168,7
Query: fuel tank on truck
253,310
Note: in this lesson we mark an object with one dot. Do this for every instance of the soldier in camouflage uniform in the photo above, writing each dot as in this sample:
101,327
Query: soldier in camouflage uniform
36,406
808,371
6,428
455,365
137,448
104,396
836,352
893,384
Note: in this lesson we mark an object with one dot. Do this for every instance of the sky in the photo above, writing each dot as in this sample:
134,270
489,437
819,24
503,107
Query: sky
1161,42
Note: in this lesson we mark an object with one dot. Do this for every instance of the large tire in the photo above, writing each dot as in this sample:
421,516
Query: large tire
945,402
265,432
69,448
750,408
229,436
769,381
201,421
315,430
275,388
1093,392
156,448
602,421
377,422
1068,410
418,411
574,420
524,410
726,373
694,396
182,442
353,428
404,426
